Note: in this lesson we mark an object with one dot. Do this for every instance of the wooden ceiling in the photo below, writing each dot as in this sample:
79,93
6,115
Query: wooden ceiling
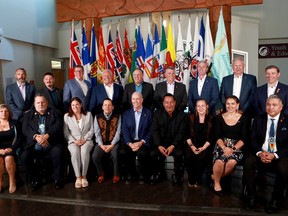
82,9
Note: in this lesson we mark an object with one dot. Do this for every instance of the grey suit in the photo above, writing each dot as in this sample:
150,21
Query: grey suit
15,100
80,155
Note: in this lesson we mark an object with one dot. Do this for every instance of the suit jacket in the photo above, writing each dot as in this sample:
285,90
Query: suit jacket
147,93
15,100
53,123
261,97
99,94
259,129
128,126
210,92
72,131
247,92
180,95
59,98
73,89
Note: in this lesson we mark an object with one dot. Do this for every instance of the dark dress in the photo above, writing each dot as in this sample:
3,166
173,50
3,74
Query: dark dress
8,139
200,133
230,135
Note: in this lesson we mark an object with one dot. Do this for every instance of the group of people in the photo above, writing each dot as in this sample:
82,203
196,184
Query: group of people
151,124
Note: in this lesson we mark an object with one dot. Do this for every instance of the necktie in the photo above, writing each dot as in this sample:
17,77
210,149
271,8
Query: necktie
271,142
22,90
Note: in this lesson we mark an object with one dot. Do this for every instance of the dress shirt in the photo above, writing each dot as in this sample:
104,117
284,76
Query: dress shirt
22,89
137,115
266,143
83,86
271,89
98,137
138,88
170,88
237,82
109,90
200,84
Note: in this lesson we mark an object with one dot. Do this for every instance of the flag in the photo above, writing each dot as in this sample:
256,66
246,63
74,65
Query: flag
101,62
188,56
179,55
140,51
209,46
148,57
133,62
93,58
119,54
74,52
221,65
111,61
162,59
194,61
171,54
85,54
127,59
201,42
156,57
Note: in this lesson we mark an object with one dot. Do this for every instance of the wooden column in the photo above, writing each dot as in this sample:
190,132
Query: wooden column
214,13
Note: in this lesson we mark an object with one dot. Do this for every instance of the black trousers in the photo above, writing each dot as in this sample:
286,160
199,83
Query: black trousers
277,166
31,158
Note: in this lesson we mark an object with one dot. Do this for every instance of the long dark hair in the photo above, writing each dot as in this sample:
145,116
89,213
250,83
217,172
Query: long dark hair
70,111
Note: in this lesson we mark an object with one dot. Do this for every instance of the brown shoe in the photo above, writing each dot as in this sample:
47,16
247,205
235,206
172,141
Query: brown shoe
100,179
116,179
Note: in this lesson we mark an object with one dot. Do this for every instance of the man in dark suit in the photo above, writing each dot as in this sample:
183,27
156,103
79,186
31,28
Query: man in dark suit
146,89
77,87
43,129
273,86
172,87
136,123
241,85
204,87
53,95
20,95
106,90
269,152
168,132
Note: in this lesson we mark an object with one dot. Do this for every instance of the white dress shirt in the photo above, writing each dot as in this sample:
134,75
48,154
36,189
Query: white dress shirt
237,82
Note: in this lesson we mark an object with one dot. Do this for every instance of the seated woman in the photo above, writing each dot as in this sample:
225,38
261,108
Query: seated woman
9,141
230,134
78,130
198,152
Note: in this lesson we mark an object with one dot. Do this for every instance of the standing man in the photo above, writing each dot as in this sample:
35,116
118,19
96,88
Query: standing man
77,87
269,152
107,89
107,126
242,85
273,86
146,89
168,132
43,129
204,87
136,123
20,95
170,86
53,95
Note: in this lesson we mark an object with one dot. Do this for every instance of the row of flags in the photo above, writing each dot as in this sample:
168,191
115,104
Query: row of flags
153,55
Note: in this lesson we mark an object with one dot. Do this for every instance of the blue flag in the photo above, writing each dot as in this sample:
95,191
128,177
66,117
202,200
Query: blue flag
93,58
85,55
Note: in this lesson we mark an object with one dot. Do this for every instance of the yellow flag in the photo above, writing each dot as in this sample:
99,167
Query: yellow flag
170,43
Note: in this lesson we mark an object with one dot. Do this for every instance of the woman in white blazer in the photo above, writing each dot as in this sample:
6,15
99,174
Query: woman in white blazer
78,130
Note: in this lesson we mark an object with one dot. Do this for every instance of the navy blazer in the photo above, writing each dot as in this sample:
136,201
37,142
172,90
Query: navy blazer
210,92
147,93
247,92
180,95
258,135
128,126
98,94
59,98
73,89
261,97
15,100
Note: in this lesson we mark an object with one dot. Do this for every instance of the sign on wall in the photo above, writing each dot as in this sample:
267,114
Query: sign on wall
273,50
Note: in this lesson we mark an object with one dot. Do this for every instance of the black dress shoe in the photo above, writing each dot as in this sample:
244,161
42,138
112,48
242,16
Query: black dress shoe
249,203
59,184
272,207
218,192
36,185
141,180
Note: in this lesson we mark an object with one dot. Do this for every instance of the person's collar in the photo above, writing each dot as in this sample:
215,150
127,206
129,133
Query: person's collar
203,78
139,84
173,83
107,116
79,80
20,84
272,86
239,77
138,111
275,117
108,85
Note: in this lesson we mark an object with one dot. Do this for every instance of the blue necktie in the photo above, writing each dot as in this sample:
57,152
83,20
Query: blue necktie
272,129
271,142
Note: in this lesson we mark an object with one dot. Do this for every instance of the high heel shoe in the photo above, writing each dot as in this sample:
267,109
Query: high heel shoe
218,192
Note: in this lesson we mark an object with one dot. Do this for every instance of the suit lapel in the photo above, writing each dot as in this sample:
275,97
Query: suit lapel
242,84
19,92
